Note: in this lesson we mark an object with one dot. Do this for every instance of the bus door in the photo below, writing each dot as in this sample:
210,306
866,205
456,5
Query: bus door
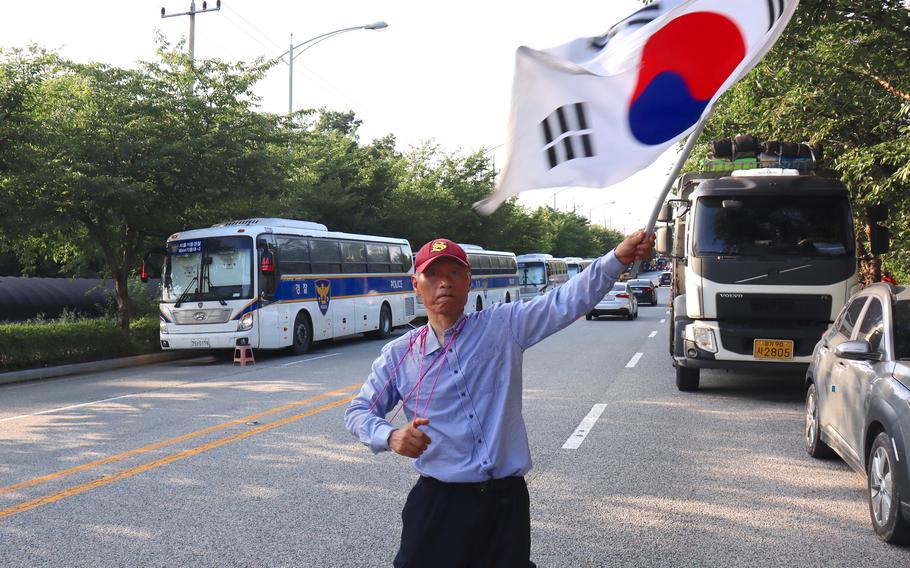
269,278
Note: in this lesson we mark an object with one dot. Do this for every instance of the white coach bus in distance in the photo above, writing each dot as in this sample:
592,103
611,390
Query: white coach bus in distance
494,278
273,283
540,273
576,264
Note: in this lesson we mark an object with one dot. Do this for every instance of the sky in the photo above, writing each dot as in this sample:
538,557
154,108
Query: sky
441,72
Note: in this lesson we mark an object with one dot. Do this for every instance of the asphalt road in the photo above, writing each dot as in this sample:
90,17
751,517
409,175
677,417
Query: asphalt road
198,463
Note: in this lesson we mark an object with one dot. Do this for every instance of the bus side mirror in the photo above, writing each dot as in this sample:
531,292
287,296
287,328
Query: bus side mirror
664,236
666,213
143,266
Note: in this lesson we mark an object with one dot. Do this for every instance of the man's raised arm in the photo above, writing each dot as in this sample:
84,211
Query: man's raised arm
534,320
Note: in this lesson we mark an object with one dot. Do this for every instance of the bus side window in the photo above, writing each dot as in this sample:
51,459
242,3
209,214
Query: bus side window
483,265
293,255
353,257
401,261
325,256
378,258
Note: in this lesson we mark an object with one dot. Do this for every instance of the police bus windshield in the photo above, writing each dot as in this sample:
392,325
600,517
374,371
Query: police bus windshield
214,268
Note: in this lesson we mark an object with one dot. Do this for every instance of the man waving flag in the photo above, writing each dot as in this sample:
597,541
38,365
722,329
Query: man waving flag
594,111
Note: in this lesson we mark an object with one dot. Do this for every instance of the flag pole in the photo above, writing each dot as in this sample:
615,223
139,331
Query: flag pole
683,156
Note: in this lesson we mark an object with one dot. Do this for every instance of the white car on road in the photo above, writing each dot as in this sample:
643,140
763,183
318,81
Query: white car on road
620,301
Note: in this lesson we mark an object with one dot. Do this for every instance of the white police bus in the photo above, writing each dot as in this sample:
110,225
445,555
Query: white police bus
576,264
273,283
539,273
494,278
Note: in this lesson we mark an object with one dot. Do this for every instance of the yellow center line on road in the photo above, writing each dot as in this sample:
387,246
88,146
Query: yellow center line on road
163,443
108,479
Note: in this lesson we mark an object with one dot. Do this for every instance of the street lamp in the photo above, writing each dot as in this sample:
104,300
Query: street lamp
313,41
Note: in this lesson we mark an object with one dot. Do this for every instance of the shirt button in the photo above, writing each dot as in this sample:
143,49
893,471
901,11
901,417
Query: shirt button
456,371
462,394
479,441
470,416
484,462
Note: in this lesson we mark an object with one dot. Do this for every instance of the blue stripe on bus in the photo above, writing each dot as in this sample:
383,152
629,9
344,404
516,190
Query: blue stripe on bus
494,282
164,317
305,288
251,307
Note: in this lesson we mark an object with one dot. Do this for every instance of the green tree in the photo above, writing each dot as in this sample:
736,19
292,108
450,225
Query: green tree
121,158
839,77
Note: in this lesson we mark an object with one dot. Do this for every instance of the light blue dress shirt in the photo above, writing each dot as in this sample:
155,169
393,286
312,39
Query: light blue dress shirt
476,426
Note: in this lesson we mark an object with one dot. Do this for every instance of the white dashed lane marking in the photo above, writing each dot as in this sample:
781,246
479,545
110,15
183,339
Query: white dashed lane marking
578,436
652,334
310,359
634,360
663,320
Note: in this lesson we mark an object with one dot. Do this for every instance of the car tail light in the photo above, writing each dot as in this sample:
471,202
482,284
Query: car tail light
647,289
622,295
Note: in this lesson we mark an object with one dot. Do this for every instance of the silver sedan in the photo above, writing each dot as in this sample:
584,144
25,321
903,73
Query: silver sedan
858,401
619,301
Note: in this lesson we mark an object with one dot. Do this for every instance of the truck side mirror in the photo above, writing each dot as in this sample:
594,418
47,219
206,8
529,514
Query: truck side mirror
879,237
666,214
664,237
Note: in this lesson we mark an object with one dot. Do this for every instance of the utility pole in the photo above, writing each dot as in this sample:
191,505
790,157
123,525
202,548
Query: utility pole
192,14
291,80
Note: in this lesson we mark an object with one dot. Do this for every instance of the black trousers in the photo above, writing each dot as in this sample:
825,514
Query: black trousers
466,525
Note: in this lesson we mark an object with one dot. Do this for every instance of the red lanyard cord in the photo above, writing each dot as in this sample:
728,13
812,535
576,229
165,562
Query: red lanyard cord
421,377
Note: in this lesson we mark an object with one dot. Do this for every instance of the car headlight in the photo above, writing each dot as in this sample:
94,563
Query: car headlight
162,327
704,339
246,322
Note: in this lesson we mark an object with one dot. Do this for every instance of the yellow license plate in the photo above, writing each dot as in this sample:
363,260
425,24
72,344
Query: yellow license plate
777,349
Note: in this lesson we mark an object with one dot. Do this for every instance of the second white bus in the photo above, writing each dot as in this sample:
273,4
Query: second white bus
539,273
494,278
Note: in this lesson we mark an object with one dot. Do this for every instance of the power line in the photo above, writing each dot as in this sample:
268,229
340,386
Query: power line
257,30
267,48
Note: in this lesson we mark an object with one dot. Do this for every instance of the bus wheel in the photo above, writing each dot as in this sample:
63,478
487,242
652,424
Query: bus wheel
479,305
303,333
385,323
508,298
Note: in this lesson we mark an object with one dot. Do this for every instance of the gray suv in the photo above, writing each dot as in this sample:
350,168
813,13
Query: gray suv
858,401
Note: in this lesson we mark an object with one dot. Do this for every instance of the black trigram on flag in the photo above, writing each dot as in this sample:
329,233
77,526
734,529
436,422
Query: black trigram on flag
643,16
567,135
775,11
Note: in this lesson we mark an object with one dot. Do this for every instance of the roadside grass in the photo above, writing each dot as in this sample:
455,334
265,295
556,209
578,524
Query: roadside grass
42,343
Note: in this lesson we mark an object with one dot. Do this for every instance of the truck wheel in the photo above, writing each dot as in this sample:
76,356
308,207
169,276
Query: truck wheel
385,323
686,378
885,493
589,317
479,306
303,333
812,439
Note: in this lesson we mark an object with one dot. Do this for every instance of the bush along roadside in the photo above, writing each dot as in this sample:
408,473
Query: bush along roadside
42,344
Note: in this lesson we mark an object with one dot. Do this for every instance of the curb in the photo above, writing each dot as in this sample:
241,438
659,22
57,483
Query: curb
93,366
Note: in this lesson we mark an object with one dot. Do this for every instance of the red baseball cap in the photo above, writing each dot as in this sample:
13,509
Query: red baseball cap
436,249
